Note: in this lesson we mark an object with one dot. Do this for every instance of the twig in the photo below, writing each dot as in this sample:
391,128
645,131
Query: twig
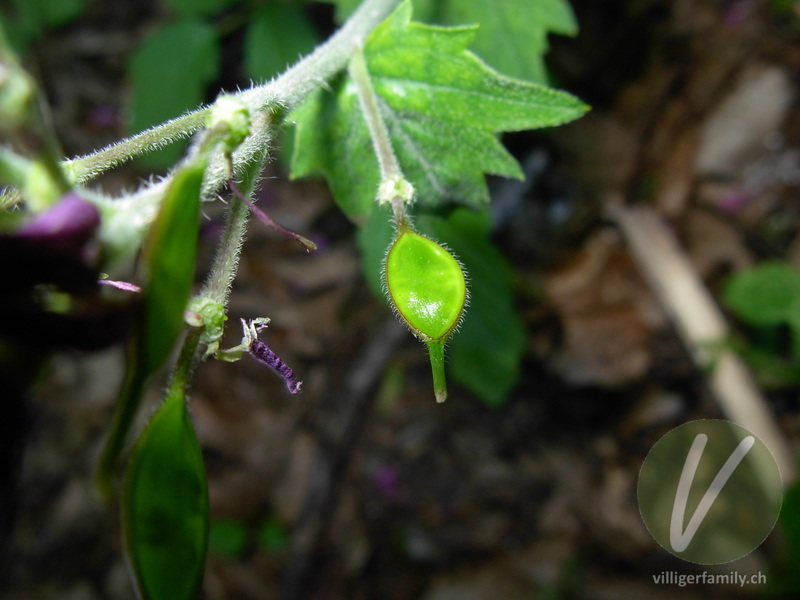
701,326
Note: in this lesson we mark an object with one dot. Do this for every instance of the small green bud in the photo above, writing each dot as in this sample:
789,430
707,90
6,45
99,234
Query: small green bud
231,119
395,187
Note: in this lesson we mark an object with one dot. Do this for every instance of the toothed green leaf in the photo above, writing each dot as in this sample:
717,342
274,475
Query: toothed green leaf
443,108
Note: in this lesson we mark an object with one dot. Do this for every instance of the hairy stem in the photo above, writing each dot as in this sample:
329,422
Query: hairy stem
218,285
387,160
286,91
393,182
88,167
184,367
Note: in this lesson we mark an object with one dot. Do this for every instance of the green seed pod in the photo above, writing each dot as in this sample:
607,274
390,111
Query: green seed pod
427,287
165,507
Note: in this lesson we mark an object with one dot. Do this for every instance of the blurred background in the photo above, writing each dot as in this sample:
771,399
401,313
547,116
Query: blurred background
523,484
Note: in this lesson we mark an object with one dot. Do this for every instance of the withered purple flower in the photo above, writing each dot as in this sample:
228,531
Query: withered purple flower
263,354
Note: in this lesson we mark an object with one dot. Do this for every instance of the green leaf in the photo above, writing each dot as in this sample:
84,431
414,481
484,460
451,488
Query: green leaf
228,538
485,352
165,510
27,20
168,259
193,8
512,35
271,535
344,8
443,108
168,262
169,73
768,294
277,35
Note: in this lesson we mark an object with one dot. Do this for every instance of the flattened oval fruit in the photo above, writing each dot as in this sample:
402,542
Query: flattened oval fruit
426,284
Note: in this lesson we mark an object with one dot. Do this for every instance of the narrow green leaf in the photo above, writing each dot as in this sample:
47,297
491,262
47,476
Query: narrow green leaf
169,73
277,35
443,108
165,513
168,262
765,295
194,8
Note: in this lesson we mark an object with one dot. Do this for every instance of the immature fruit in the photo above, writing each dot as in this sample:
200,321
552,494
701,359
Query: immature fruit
427,286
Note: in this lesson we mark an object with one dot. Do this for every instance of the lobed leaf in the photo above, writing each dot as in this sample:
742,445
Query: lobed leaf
443,108
513,33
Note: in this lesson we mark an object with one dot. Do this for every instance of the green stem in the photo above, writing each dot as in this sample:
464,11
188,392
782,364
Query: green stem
218,285
387,161
436,350
88,167
286,91
393,181
223,271
184,367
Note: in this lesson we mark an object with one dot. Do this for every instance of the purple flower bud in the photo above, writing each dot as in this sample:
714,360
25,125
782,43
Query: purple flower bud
66,227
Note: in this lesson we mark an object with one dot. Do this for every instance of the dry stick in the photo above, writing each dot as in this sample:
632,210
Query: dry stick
701,326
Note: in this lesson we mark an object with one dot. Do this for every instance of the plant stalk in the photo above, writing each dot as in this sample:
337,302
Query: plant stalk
284,92
394,186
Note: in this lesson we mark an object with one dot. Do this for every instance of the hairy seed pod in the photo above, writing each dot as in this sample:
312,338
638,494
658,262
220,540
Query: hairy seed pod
428,289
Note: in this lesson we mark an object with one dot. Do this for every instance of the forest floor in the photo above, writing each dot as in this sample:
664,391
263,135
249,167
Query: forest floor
362,486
